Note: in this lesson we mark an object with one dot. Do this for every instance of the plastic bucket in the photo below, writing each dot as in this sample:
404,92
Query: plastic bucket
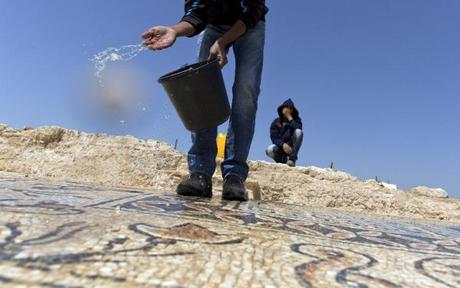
198,94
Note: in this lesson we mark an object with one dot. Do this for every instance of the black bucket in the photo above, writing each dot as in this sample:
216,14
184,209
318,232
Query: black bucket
198,93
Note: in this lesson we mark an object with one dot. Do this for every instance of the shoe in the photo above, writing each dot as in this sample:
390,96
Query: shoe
291,163
234,189
198,184
281,160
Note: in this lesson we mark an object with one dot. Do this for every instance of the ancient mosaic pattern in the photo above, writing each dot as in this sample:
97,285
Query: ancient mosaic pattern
74,235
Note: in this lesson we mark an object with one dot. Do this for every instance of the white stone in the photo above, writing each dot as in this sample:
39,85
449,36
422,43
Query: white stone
389,186
429,192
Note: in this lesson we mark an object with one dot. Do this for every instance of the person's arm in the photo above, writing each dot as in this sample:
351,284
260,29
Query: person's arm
275,134
196,15
296,124
161,37
253,11
219,48
184,29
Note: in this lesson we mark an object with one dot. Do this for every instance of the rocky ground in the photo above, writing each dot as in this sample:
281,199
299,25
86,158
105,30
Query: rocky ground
61,154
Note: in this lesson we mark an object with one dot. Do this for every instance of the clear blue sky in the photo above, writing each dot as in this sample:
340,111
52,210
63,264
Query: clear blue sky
377,82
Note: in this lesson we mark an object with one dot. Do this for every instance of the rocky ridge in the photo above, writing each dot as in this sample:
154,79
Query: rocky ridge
61,154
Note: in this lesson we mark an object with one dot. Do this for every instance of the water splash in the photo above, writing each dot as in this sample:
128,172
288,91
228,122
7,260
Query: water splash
123,53
117,91
112,91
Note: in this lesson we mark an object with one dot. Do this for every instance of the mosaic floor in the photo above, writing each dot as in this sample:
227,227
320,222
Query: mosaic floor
72,235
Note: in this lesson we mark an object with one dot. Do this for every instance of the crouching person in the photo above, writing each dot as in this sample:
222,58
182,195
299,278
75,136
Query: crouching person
286,135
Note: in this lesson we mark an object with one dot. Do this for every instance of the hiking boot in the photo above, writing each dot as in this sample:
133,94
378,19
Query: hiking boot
291,163
198,184
234,189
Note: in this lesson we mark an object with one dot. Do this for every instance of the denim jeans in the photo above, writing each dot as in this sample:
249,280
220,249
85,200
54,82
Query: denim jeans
249,54
278,154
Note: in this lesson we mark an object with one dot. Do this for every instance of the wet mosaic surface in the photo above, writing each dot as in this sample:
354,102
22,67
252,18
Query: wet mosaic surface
73,235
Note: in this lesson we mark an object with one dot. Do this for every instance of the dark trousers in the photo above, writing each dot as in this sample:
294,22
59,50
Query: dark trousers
277,153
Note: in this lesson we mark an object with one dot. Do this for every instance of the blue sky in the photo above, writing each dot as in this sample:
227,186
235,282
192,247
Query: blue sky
377,82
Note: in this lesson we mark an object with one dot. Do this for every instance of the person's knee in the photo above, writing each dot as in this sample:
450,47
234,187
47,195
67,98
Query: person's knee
298,133
244,111
270,151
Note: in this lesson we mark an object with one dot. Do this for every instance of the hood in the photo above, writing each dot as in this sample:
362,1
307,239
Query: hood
288,103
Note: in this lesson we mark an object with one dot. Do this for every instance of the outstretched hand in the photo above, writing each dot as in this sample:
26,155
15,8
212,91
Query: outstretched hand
159,37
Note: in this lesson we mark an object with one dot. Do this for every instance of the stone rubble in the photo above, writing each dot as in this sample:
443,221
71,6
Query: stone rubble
61,154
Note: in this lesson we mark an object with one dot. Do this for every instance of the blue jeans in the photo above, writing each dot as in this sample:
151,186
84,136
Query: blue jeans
249,54
277,153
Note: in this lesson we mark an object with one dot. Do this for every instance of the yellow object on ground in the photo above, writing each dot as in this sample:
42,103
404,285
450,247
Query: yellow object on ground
221,138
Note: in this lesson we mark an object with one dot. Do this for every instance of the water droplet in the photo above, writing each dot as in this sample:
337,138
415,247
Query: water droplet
123,53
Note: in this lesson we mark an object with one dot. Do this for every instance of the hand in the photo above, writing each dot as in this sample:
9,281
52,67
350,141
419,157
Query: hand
287,149
218,51
159,37
287,113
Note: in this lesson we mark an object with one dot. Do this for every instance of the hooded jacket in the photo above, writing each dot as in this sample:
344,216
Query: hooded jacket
223,12
281,130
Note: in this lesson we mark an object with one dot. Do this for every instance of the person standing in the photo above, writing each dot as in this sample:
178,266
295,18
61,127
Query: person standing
221,25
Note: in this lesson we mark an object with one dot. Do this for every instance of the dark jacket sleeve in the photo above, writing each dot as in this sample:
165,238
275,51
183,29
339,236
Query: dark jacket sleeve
252,12
275,134
196,14
296,124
